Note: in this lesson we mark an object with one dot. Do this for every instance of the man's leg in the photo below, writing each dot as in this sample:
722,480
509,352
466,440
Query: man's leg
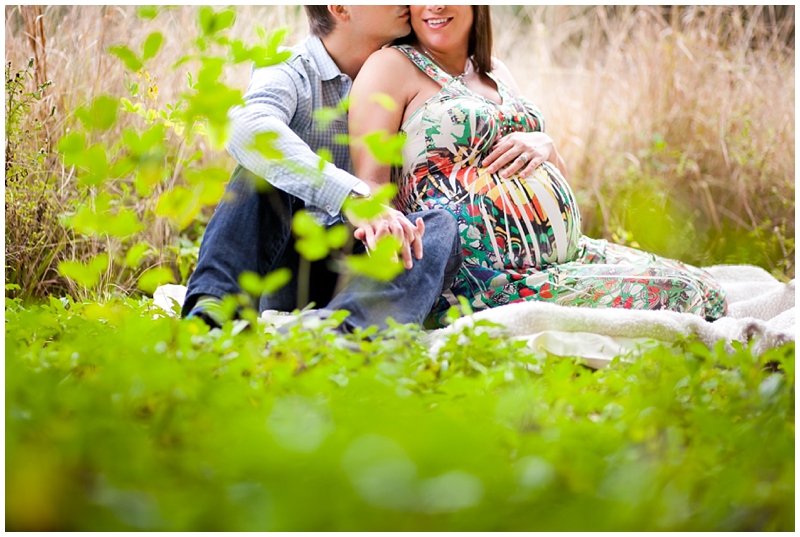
409,297
321,284
249,231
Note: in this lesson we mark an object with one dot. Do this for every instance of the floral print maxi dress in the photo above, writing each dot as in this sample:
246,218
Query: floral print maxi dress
521,238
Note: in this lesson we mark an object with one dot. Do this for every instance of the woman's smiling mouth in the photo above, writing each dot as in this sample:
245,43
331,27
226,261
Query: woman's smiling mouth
438,23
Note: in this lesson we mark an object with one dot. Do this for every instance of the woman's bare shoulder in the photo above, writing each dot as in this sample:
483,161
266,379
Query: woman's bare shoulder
502,72
387,59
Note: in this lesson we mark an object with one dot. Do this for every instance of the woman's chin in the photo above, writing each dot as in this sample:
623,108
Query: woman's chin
441,40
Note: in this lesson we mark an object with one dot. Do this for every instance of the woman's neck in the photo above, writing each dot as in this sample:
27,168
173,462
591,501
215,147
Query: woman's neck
453,63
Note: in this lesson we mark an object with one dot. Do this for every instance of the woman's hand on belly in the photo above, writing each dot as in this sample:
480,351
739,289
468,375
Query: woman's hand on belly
521,153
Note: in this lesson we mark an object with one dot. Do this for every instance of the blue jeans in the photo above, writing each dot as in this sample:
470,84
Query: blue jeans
251,230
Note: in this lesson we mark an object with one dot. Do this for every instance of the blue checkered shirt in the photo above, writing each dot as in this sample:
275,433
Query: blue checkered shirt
281,99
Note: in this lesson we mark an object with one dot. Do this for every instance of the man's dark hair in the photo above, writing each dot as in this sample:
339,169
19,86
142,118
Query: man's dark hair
480,39
320,21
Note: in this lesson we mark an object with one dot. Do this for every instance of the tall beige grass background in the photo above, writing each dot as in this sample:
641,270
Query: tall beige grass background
695,106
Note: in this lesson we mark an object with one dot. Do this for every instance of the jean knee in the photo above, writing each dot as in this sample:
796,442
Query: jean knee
442,225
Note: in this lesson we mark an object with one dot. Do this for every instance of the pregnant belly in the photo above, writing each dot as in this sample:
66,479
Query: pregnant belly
517,223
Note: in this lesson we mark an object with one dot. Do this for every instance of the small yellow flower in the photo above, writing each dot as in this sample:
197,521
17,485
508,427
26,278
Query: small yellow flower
153,91
147,76
139,73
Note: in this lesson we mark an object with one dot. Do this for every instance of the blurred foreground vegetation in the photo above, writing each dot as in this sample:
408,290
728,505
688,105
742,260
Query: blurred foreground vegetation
119,418
678,130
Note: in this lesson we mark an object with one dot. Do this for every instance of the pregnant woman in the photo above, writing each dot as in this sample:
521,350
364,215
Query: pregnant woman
475,147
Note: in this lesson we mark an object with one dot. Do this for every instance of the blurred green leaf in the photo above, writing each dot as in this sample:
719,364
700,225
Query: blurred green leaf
87,275
277,279
312,249
240,51
129,106
72,146
78,272
211,193
323,117
95,161
305,225
147,175
135,254
325,155
272,53
206,175
264,143
250,282
385,147
147,12
99,263
326,115
180,205
374,205
211,100
256,286
152,278
123,224
209,183
311,243
337,236
101,114
128,57
214,22
380,264
384,100
140,145
122,168
152,45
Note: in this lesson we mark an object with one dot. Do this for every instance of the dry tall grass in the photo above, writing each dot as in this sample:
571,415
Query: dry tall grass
715,84
693,106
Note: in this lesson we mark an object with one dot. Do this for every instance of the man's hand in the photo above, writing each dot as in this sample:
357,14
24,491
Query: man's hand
391,222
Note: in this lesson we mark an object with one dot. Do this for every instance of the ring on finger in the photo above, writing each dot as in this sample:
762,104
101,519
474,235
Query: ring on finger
524,158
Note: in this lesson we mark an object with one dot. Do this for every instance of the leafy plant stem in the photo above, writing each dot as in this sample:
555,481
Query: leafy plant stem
303,282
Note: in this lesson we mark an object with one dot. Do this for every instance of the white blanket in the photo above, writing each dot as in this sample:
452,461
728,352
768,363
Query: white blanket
760,308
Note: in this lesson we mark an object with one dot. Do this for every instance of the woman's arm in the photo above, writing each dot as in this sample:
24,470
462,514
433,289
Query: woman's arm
538,147
377,102
378,99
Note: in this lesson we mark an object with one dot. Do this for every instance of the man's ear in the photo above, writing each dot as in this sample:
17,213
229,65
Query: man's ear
340,13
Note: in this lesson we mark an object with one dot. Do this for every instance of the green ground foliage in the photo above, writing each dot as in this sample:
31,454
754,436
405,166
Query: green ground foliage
120,418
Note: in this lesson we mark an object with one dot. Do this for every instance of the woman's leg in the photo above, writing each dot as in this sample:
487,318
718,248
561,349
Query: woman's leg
604,275
704,294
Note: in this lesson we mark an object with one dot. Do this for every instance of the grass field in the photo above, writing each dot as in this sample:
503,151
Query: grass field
116,420
677,127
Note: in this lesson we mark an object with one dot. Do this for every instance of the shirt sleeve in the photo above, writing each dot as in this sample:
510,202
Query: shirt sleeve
271,103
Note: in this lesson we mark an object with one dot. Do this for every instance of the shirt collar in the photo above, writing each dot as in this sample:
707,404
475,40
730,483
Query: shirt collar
328,70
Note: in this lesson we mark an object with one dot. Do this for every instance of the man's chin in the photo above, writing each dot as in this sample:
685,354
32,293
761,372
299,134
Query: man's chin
404,32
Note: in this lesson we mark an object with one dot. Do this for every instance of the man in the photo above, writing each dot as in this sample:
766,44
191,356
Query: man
251,230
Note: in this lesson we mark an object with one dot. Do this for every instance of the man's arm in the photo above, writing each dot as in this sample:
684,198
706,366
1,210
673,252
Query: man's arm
271,102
